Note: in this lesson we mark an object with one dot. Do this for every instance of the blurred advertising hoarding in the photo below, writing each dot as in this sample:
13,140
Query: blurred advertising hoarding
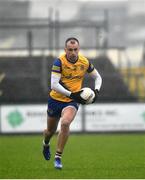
115,117
27,119
91,118
23,118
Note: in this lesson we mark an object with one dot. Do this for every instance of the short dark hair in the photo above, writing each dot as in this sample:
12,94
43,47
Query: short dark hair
71,38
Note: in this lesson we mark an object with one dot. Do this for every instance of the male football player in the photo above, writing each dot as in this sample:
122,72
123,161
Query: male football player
67,75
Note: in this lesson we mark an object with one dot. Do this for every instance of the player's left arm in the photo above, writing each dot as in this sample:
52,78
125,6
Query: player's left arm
97,79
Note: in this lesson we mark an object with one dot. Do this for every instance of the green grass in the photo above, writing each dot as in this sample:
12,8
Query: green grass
85,157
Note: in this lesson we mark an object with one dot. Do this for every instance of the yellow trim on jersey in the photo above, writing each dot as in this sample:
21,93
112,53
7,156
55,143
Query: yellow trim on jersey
58,73
56,68
72,76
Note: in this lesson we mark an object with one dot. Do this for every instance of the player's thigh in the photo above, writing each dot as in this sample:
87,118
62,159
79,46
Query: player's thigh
52,123
68,114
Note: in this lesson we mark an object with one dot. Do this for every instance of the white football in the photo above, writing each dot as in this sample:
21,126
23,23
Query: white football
87,94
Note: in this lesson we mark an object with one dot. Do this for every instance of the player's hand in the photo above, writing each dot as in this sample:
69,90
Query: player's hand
76,96
96,95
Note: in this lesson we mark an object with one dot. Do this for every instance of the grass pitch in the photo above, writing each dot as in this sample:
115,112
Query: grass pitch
85,157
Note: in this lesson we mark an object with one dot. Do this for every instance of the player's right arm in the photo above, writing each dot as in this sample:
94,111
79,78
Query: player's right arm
56,77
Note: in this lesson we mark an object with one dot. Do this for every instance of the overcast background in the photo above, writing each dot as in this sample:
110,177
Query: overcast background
125,20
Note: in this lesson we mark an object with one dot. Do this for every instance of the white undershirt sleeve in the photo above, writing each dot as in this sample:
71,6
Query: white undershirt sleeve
55,85
98,79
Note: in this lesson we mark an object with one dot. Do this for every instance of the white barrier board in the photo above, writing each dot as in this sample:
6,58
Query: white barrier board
23,118
28,118
100,117
115,117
